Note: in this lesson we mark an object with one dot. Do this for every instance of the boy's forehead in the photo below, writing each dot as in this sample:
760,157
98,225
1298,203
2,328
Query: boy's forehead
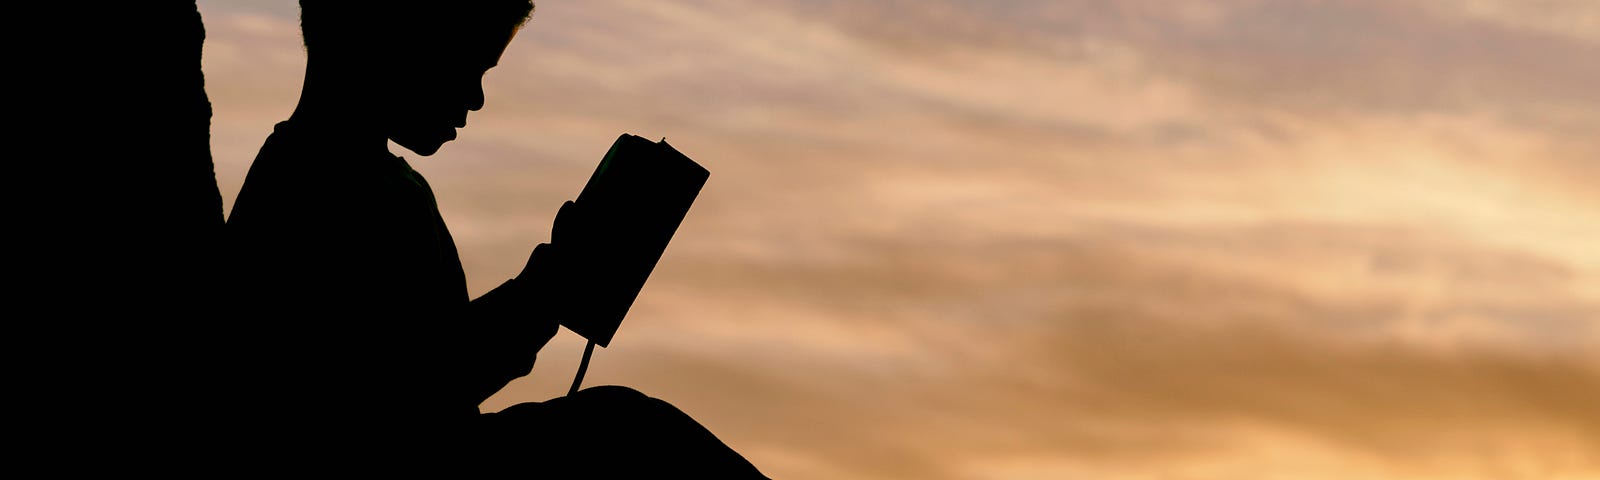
475,48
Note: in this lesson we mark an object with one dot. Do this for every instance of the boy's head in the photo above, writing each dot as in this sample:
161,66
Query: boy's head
417,65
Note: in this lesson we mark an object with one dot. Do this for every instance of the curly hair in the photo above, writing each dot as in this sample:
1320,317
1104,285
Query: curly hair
355,24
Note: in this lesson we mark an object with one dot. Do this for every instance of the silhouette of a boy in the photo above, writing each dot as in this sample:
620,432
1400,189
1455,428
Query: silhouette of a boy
358,342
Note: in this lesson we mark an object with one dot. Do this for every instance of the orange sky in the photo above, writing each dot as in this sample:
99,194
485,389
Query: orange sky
1238,239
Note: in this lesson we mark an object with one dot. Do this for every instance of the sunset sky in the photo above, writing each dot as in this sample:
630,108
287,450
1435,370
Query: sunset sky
1058,239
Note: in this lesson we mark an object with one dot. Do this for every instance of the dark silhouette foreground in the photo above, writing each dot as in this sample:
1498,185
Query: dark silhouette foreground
356,347
116,216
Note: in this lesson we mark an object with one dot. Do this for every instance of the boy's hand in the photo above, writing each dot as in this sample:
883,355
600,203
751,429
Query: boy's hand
571,228
550,272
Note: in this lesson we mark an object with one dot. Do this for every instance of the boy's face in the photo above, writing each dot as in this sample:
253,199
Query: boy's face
431,100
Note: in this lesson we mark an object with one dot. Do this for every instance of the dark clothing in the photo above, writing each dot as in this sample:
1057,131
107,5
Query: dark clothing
358,337
608,432
355,307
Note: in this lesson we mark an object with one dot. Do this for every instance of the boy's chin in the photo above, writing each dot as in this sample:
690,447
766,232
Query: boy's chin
419,146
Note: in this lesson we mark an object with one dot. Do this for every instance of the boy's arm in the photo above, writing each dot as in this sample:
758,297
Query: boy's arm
517,319
514,321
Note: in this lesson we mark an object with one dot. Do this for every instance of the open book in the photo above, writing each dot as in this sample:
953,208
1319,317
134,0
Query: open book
634,202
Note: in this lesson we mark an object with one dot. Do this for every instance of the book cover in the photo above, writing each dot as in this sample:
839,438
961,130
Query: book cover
632,205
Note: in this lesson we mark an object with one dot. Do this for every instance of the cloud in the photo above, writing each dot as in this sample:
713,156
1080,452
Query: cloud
1128,351
1117,392
1575,19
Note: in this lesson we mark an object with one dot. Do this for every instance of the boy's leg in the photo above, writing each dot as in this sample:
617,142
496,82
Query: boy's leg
607,431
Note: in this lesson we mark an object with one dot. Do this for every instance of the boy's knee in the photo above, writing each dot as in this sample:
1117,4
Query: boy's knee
610,391
612,396
627,404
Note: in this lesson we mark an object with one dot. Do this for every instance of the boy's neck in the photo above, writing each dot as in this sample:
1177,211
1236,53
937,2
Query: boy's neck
338,110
